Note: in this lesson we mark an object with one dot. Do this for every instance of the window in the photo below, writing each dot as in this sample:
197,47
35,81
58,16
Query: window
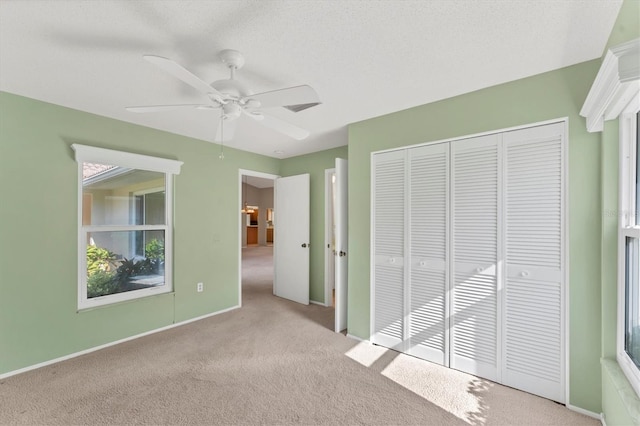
629,249
124,232
615,93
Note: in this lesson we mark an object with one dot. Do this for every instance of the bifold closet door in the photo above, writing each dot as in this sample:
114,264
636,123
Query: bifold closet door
428,243
388,183
469,256
475,204
533,350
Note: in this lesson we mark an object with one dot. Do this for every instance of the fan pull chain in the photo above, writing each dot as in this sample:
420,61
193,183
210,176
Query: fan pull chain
221,156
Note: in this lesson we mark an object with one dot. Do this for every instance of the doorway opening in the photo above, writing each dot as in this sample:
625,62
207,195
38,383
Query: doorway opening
256,232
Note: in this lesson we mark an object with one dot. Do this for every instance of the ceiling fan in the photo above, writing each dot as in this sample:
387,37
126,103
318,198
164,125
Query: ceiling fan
234,99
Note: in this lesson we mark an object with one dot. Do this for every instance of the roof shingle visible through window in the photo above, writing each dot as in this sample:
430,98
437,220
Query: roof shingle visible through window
92,169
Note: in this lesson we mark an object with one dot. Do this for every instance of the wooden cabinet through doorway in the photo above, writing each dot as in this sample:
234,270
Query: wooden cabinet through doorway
252,235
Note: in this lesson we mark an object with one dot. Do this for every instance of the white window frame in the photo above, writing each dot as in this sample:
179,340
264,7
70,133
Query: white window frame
90,154
628,226
144,192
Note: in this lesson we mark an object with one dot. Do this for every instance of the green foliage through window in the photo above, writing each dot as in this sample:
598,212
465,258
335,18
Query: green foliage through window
154,250
99,259
101,283
108,275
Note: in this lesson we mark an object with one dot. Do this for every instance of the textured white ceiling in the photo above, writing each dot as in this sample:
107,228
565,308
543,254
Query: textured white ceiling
364,58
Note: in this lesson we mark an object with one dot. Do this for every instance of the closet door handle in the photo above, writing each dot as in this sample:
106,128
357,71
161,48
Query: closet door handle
524,274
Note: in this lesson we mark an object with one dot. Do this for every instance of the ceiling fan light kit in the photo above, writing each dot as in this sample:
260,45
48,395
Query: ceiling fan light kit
231,111
235,99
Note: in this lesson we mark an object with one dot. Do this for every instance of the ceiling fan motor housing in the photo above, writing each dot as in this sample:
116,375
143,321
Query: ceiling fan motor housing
232,89
234,95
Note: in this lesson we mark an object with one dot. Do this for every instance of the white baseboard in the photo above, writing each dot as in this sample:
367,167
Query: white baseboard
315,302
602,419
106,345
583,411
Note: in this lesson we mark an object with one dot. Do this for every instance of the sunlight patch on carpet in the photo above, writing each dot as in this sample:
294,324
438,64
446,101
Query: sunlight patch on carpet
365,353
444,387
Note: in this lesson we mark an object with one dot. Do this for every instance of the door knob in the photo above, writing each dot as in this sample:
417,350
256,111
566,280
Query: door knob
304,245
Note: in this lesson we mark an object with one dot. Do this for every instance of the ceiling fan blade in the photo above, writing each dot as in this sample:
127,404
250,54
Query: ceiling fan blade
294,98
229,130
183,74
279,125
159,108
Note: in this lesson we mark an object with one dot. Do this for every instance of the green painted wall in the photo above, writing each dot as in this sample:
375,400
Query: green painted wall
542,97
38,228
315,164
614,402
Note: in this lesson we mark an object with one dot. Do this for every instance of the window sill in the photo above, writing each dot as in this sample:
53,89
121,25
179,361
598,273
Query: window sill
626,393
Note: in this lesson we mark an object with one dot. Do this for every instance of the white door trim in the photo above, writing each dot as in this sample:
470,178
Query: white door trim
329,276
474,135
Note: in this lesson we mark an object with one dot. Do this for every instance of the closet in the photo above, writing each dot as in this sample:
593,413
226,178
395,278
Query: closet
468,267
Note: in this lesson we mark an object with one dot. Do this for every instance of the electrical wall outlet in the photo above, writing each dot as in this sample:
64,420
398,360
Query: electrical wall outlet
200,287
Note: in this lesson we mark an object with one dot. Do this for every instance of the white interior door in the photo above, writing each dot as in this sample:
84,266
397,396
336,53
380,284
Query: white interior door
428,234
341,265
388,272
533,350
291,240
475,201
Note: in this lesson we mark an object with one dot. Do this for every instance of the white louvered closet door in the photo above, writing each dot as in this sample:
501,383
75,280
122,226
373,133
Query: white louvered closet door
388,298
533,351
475,201
428,243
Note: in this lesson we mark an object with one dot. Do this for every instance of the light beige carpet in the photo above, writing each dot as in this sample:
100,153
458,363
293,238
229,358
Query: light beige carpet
271,362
